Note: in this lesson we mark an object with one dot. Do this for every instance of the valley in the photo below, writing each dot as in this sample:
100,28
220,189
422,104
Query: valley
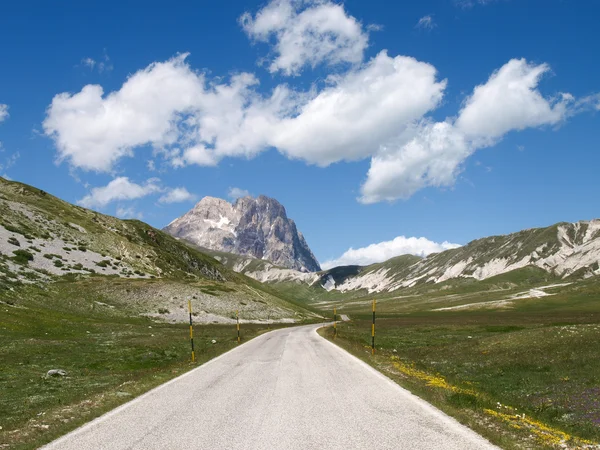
467,329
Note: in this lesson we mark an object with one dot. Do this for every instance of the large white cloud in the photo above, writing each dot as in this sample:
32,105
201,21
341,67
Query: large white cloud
433,155
119,189
307,32
430,158
376,110
191,120
166,105
509,100
360,111
93,132
383,251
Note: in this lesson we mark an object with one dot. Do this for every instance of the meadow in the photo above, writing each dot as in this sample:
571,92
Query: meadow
109,354
525,376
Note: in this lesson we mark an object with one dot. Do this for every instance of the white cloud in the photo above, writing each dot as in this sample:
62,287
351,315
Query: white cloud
426,23
377,110
192,121
383,251
177,195
307,32
234,193
430,158
3,112
590,102
431,154
509,100
119,189
123,212
93,132
170,107
360,111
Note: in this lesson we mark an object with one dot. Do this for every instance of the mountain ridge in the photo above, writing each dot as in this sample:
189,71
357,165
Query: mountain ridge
257,227
563,250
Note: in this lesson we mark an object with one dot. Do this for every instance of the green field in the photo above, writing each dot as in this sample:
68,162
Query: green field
523,376
110,356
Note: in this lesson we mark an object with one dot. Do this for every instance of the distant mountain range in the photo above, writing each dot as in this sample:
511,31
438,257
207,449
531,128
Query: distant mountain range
42,238
256,227
563,250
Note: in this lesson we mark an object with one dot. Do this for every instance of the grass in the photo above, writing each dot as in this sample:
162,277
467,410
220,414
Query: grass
525,377
109,357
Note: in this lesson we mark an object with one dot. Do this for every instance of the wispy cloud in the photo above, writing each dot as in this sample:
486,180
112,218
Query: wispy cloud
102,64
119,189
234,193
123,212
177,195
4,112
426,23
465,4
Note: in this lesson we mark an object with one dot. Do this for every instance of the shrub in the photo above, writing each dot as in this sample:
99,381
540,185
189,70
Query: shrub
163,311
58,263
22,257
82,248
103,263
13,241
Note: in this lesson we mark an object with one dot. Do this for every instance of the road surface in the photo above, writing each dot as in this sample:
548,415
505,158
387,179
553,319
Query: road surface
288,389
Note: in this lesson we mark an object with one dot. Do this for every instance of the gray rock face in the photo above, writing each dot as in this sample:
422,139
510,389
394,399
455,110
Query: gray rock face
257,227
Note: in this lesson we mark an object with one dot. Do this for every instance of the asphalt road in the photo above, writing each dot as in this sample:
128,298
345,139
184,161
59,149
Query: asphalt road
288,389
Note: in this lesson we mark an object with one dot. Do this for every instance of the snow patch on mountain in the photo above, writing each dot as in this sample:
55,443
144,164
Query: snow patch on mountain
255,227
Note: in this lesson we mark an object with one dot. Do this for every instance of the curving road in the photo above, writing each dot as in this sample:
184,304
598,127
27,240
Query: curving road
288,389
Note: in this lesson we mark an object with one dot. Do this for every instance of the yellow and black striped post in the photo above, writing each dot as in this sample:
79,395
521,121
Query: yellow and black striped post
373,330
237,318
334,323
191,331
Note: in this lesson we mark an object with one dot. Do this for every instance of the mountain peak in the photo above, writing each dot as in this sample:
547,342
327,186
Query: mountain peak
257,227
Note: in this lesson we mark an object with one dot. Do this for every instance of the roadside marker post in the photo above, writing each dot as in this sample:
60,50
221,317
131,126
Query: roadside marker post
334,323
237,318
191,330
373,330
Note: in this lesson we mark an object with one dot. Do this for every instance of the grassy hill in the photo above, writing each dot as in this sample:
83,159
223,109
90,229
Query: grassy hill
105,300
44,239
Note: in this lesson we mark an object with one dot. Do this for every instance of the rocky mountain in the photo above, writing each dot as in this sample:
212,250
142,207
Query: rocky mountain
255,227
563,250
128,266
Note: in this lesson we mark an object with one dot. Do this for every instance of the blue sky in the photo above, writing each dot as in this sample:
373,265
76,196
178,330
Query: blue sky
447,120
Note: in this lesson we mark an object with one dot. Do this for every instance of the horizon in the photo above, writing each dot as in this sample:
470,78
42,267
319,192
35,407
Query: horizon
395,129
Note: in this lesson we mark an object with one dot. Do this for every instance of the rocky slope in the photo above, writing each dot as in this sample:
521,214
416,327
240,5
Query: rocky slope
45,241
562,250
255,227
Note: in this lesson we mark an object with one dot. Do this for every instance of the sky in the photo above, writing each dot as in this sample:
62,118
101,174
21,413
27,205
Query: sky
383,127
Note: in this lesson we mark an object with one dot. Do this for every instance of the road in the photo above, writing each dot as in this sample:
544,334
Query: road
288,389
